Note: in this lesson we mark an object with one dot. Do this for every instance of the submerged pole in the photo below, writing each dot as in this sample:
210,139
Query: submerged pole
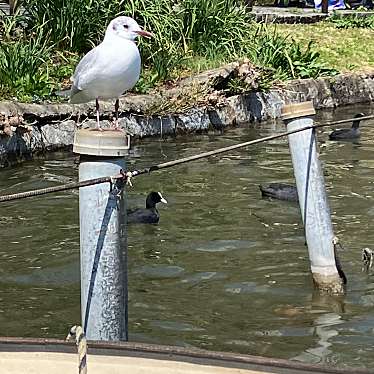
103,246
313,202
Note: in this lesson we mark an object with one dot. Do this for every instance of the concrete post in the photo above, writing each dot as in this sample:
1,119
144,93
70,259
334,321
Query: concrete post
103,247
312,197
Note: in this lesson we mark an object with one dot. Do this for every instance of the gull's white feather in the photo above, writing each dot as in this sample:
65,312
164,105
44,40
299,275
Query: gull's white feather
111,68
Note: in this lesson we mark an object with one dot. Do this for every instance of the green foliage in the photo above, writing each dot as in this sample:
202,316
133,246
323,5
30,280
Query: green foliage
30,67
24,67
215,26
75,25
285,56
352,21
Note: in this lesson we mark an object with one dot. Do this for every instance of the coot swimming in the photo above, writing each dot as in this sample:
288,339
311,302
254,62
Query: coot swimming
280,191
149,214
351,133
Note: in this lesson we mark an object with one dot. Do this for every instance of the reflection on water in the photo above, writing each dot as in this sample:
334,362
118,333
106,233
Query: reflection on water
223,270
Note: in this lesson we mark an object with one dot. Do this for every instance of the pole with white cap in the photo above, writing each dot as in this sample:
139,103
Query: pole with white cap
312,198
103,247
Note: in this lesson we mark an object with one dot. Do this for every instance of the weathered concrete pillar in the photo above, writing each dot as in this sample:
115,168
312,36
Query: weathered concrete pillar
103,247
312,197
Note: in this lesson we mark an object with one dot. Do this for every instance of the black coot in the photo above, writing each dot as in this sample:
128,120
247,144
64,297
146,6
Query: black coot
280,191
149,214
351,133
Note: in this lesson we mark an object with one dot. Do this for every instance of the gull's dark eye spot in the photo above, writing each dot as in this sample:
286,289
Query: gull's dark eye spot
125,27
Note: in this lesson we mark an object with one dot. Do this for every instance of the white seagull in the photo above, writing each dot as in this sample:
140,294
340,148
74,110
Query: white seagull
111,68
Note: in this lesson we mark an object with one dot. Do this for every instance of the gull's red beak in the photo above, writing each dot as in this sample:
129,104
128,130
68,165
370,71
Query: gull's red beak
144,33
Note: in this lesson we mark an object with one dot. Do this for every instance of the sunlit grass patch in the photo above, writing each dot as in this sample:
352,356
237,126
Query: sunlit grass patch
342,49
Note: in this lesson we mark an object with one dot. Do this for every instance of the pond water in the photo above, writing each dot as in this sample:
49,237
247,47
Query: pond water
223,270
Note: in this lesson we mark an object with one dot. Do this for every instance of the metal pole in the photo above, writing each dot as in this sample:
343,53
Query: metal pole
312,197
103,246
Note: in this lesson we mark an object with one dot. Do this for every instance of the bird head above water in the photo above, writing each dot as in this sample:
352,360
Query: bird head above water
149,214
153,198
357,120
125,28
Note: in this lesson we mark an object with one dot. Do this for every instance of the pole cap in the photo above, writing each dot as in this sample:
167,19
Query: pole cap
297,110
97,142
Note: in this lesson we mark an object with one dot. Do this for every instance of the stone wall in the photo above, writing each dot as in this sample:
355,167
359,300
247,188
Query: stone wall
49,127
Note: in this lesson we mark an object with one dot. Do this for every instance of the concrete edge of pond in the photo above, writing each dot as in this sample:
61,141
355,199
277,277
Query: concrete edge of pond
46,354
51,126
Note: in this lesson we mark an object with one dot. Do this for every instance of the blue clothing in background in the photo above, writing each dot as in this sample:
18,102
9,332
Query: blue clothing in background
333,4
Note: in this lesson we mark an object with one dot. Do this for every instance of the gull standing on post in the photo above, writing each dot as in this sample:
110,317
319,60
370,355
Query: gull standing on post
111,68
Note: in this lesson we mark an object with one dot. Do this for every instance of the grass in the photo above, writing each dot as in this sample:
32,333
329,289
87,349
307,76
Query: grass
73,25
350,49
24,67
352,21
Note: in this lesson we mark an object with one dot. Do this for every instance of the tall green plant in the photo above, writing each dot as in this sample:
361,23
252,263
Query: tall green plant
285,56
218,26
23,67
75,25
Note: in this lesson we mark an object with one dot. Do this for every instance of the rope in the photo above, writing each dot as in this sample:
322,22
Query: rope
128,175
81,342
63,187
333,123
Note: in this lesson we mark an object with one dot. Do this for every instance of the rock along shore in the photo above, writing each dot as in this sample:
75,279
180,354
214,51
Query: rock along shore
196,105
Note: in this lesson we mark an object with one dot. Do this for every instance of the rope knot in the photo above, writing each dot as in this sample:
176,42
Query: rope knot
128,175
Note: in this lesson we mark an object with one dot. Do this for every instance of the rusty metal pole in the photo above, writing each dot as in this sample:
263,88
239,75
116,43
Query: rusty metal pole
312,197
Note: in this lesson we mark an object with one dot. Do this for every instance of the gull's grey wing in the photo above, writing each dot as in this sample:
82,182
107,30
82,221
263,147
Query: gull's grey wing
85,66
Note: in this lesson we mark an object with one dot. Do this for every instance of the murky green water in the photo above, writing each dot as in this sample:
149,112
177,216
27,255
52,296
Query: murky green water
223,270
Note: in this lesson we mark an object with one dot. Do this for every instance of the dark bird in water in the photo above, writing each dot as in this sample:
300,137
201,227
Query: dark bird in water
367,259
280,191
149,214
352,133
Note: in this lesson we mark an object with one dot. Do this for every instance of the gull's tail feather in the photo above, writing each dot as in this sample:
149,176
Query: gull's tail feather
75,95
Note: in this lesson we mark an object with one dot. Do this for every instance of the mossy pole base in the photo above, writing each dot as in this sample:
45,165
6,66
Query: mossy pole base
312,197
103,247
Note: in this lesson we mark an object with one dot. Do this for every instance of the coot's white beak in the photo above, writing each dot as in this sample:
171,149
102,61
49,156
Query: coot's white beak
162,199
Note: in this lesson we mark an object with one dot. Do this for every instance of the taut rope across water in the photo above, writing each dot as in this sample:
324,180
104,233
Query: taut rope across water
127,175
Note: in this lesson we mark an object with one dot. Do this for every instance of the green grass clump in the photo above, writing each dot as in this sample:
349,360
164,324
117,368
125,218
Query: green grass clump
23,67
73,25
352,21
288,58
